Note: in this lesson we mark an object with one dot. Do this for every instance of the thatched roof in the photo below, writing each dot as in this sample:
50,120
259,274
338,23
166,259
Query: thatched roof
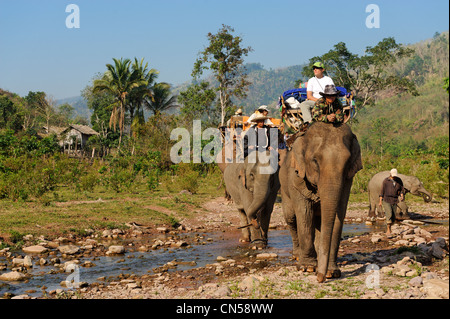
84,129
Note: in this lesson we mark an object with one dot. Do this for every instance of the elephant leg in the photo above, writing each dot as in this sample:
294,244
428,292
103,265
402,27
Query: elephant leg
306,234
266,213
291,221
245,236
256,234
372,210
333,269
380,212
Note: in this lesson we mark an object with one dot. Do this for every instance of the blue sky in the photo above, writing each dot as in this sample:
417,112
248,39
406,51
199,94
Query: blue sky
39,53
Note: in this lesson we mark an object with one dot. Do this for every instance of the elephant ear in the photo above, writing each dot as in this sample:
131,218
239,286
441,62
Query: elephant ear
355,160
242,178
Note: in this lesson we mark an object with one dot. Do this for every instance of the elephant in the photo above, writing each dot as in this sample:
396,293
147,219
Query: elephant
254,192
411,184
316,178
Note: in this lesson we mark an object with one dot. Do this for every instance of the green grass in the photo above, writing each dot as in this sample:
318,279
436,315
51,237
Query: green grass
67,211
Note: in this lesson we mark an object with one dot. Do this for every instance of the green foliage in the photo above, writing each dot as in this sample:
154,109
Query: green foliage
198,103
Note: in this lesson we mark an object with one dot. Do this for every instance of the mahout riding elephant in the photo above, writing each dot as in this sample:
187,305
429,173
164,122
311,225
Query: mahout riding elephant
411,184
316,178
253,186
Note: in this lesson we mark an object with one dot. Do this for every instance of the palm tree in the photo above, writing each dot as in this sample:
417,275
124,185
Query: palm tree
161,100
137,95
119,80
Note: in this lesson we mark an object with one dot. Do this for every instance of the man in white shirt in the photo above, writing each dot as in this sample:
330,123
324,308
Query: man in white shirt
313,89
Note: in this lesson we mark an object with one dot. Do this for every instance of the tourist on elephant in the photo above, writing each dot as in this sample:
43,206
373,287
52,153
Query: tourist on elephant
391,189
263,110
328,108
258,136
315,86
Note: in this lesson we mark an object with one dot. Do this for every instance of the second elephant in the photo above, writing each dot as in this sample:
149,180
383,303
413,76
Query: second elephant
253,186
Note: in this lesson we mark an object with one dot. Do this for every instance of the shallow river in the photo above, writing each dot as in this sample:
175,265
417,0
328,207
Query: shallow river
140,263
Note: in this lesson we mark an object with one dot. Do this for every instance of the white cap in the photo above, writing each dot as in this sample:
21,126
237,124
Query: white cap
393,172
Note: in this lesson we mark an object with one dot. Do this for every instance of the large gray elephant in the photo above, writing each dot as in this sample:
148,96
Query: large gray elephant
316,178
411,183
254,192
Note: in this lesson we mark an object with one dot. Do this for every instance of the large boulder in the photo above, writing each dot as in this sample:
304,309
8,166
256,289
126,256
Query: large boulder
13,276
37,249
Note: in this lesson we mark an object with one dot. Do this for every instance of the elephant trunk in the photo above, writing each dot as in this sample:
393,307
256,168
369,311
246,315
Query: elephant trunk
426,196
260,195
330,204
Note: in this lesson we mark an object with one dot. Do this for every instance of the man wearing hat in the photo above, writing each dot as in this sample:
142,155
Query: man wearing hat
263,110
391,189
328,108
315,85
257,137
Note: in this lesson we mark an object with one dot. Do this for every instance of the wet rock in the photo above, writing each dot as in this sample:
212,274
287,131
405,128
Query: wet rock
27,262
37,249
162,229
13,276
17,262
181,243
115,250
266,256
220,258
88,264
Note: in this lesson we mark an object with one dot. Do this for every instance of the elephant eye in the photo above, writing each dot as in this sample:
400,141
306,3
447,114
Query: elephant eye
316,164
252,176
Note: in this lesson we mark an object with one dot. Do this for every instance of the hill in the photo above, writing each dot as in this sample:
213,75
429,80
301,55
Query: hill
406,121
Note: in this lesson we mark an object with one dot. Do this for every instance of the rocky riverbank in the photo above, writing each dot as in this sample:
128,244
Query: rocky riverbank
411,263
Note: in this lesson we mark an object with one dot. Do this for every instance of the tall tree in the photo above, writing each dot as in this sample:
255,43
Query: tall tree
119,80
224,57
367,75
197,101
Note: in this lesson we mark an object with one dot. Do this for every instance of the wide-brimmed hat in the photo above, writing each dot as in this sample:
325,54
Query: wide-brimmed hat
260,118
264,108
330,89
239,111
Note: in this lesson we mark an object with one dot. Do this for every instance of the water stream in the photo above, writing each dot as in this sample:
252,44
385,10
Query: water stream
140,263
